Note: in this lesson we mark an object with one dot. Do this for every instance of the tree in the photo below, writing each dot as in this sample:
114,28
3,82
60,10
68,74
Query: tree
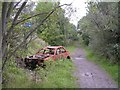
57,29
10,18
100,25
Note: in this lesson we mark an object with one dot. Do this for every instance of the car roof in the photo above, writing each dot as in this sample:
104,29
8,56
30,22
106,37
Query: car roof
54,46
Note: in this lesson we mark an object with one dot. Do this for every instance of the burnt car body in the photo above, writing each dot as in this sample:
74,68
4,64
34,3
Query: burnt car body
44,54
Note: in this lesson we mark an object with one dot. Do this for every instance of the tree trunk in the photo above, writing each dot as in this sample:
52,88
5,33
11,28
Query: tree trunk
3,30
1,51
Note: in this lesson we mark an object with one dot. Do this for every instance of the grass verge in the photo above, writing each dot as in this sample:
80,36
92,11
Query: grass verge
71,48
15,77
112,69
58,74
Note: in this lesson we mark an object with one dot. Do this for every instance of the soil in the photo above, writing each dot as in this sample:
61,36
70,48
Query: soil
89,74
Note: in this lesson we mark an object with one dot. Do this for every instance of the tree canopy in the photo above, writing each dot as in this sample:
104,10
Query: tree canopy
99,29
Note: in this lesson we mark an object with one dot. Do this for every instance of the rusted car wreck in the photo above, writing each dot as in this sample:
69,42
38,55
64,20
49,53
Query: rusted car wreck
44,54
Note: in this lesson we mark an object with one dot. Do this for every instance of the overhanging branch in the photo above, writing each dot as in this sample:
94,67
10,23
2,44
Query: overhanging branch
30,17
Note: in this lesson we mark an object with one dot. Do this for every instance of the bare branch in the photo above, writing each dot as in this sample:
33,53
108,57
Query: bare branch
19,11
38,14
9,10
31,31
30,17
17,14
17,4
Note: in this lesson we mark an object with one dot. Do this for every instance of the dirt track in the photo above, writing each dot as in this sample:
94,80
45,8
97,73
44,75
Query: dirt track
90,75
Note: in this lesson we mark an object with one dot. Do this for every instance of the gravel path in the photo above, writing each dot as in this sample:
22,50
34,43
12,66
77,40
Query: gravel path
90,75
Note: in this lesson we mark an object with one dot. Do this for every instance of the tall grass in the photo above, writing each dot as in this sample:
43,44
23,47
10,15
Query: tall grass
57,74
14,77
112,69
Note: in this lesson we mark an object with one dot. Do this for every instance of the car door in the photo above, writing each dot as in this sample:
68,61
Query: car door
57,55
63,53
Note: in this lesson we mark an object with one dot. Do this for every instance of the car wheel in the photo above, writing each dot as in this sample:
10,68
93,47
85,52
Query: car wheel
68,57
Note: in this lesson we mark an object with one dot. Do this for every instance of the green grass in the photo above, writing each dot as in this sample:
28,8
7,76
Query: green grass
70,48
112,69
15,77
58,74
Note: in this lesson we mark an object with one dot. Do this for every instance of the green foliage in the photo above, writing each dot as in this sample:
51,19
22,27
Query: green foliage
57,30
14,77
85,38
99,29
35,45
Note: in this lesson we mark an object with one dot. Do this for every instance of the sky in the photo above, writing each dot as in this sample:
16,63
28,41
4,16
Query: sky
79,5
